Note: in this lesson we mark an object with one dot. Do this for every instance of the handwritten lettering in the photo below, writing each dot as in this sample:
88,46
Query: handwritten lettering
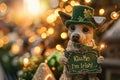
81,58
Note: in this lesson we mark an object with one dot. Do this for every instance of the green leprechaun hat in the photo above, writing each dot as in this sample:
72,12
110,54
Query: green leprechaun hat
81,15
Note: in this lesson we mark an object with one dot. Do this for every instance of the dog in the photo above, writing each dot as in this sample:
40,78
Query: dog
79,32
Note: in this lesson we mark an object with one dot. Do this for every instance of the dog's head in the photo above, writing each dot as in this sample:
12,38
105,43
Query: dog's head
80,33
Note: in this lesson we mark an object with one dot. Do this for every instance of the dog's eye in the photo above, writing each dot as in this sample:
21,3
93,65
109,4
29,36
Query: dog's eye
85,29
72,27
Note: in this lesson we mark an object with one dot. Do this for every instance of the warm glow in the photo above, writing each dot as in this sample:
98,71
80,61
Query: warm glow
1,43
15,48
32,39
50,30
51,18
77,4
56,12
25,61
102,46
41,30
64,35
87,1
59,47
5,39
46,61
101,11
35,7
64,0
37,50
68,8
53,68
43,35
114,15
72,3
3,7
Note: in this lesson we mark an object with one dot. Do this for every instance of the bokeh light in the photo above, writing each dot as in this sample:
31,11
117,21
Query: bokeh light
114,15
25,61
101,11
15,49
64,35
50,30
3,7
59,47
43,35
68,8
87,1
51,18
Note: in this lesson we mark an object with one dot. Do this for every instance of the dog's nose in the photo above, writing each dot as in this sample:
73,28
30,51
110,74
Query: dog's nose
75,37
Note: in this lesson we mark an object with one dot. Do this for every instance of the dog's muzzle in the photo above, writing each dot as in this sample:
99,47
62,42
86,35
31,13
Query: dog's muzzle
75,37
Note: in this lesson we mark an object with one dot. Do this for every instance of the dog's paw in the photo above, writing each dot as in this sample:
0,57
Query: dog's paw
100,59
63,60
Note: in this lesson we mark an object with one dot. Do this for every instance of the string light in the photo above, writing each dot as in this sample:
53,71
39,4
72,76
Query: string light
25,61
114,15
101,11
5,39
87,1
68,8
32,39
102,46
72,3
50,30
37,50
3,7
59,47
51,18
43,35
15,48
53,68
64,35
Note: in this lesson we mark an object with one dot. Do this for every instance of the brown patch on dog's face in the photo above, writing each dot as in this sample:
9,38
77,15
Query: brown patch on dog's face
80,33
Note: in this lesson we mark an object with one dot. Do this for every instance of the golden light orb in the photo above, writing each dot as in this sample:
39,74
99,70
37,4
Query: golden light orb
15,48
3,7
43,35
68,8
64,35
25,61
53,68
59,47
37,50
101,11
50,30
51,18
5,39
72,3
114,15
102,46
32,39
87,1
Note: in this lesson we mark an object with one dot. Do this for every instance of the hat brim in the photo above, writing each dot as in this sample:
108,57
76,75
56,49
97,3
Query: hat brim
69,22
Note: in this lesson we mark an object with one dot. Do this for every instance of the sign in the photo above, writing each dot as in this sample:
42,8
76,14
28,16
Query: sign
79,63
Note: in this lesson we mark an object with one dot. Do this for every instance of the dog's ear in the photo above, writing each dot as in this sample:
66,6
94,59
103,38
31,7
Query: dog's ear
64,16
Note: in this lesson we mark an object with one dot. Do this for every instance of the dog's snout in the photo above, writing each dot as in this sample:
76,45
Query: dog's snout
75,37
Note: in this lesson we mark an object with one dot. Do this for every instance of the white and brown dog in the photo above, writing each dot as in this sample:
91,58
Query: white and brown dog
80,30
